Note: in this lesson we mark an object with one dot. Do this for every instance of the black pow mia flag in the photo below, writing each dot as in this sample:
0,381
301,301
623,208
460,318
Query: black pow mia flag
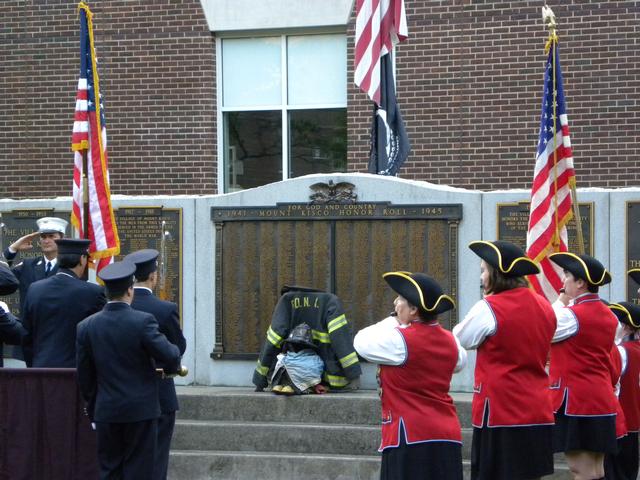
389,141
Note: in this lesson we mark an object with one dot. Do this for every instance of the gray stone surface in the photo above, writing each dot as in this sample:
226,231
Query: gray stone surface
234,433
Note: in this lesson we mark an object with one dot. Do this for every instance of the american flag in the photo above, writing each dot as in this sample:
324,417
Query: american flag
380,24
90,137
552,181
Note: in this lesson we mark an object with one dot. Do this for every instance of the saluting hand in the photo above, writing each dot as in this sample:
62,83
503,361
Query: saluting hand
24,243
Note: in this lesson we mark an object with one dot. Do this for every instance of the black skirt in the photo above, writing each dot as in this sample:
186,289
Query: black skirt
594,434
624,464
417,461
511,453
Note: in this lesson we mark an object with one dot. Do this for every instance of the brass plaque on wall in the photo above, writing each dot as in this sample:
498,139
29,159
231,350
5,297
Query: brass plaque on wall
343,249
513,223
138,228
17,224
141,227
633,248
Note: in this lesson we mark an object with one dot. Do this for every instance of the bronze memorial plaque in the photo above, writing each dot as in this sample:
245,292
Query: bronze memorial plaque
142,227
339,248
513,223
18,223
633,249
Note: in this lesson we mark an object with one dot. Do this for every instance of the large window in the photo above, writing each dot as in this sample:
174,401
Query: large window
283,108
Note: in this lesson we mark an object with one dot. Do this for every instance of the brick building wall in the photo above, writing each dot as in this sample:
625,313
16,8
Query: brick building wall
469,86
157,77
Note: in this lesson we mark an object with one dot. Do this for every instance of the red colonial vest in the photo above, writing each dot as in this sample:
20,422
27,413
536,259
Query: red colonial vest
510,376
581,366
416,393
630,386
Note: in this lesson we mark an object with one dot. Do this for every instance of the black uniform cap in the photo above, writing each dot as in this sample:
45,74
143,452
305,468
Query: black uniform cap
78,246
420,290
585,267
144,260
627,313
507,258
118,276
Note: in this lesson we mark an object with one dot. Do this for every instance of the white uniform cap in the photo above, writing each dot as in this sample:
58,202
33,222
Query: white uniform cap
52,225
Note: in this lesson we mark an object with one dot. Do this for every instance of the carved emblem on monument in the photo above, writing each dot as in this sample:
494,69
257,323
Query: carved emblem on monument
333,193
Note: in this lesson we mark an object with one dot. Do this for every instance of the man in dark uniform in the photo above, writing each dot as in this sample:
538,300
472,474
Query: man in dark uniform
166,313
116,349
54,307
32,269
11,330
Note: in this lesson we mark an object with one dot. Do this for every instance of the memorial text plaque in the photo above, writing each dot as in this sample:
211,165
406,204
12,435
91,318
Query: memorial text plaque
17,224
633,248
142,227
513,222
338,248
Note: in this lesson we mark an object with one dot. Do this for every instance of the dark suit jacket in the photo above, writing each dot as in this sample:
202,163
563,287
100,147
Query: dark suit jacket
11,331
52,310
166,314
28,271
8,281
116,349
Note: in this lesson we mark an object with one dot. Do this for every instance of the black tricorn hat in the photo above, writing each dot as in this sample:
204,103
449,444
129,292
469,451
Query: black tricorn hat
634,273
118,275
628,313
421,291
144,260
585,267
507,258
8,281
77,246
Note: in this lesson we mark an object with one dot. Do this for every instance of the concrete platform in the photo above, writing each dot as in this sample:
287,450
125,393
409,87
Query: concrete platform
234,433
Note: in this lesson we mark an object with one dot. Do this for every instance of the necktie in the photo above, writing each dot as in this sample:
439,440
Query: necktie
47,270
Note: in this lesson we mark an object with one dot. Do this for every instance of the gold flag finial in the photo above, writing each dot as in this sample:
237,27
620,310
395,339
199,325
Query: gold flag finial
549,18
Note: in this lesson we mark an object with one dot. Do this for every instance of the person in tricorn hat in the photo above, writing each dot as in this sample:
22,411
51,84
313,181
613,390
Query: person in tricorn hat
166,313
511,329
31,270
623,465
421,436
116,350
54,306
11,330
581,367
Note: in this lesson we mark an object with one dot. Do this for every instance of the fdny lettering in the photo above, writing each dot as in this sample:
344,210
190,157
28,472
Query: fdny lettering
305,302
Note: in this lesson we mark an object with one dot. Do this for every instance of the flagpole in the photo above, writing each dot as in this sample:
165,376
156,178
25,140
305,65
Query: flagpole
549,17
85,195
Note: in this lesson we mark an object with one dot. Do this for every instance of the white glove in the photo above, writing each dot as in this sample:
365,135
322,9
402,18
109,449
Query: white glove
4,307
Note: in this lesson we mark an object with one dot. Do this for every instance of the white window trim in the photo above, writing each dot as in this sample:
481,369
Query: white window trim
283,107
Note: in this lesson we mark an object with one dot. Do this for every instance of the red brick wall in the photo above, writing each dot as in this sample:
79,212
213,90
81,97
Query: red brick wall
470,83
157,76
469,86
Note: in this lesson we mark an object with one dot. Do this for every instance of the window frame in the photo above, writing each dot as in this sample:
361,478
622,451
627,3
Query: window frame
283,107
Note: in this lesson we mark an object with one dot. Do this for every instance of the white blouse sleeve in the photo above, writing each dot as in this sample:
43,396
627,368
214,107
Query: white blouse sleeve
381,343
567,323
462,356
477,325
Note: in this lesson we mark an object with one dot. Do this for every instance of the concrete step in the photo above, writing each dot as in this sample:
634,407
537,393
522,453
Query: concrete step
288,437
361,407
227,465
276,437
